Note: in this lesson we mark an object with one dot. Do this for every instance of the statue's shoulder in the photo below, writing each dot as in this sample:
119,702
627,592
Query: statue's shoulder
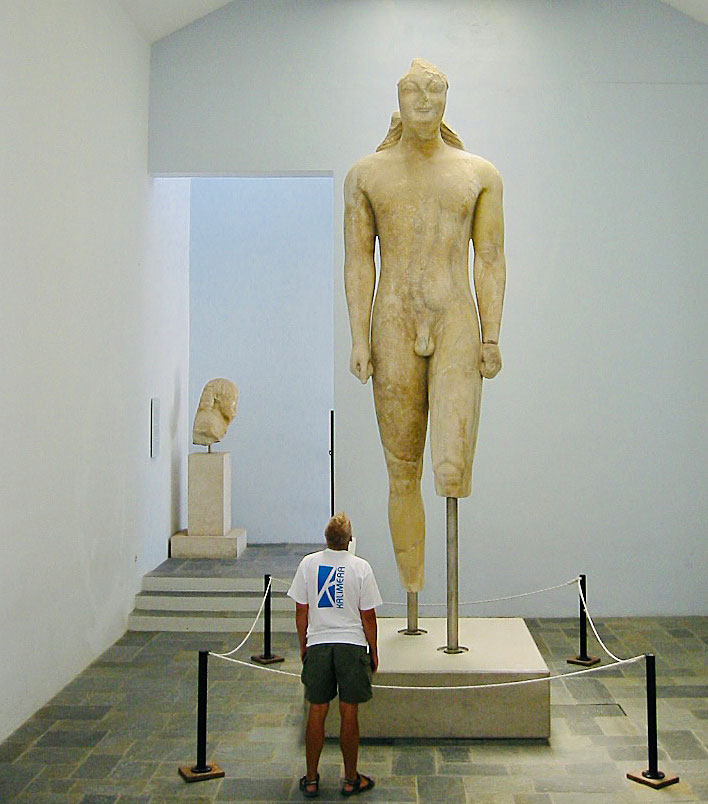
483,169
364,167
362,172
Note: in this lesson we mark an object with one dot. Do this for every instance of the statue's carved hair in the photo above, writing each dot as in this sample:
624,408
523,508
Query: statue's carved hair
395,130
217,391
338,531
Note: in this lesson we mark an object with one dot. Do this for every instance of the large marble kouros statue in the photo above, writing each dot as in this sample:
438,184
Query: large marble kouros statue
216,411
425,198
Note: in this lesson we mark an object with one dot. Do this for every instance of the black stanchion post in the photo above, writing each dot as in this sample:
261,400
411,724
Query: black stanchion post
202,770
652,776
331,462
267,657
582,658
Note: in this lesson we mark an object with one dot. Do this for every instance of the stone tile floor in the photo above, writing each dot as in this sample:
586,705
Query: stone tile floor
116,733
280,560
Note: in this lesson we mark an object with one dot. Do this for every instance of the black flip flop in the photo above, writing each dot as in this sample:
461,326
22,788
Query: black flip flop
305,783
356,785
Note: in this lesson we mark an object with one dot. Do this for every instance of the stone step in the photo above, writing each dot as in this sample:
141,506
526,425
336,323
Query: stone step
246,602
173,583
207,621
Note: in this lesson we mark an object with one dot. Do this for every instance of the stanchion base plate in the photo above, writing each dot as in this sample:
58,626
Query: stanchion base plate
412,632
267,659
458,649
657,784
591,661
186,772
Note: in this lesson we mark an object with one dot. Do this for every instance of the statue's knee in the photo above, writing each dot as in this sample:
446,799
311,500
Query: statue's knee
403,476
448,476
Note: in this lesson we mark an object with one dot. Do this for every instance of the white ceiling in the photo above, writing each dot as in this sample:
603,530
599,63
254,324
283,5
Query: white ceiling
158,18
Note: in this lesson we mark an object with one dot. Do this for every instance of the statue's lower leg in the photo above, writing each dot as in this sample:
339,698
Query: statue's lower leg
406,518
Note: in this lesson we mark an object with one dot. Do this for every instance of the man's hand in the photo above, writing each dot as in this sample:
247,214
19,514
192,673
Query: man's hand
374,662
360,362
490,361
303,650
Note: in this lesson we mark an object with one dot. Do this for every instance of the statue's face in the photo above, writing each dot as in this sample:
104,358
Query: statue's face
422,93
228,407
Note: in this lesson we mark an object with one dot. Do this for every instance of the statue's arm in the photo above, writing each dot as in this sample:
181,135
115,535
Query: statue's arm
489,267
359,271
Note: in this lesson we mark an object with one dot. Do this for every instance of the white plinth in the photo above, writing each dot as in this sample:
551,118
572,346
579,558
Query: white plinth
184,545
500,649
209,494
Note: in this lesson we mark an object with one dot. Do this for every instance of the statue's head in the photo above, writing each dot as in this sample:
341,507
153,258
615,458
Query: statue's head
216,411
422,93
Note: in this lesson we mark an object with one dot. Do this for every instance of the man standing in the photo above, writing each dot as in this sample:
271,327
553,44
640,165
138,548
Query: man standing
335,596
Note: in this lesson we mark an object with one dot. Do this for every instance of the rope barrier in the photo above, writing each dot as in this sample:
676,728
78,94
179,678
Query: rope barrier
616,660
474,602
280,580
592,625
457,687
245,639
493,599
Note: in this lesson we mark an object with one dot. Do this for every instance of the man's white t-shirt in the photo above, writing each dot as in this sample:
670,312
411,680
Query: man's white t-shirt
336,585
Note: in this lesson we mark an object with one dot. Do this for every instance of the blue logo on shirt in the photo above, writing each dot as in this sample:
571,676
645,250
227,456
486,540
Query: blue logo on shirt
330,587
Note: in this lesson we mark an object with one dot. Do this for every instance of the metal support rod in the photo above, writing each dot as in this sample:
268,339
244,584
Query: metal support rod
266,618
652,771
201,766
583,654
412,610
452,580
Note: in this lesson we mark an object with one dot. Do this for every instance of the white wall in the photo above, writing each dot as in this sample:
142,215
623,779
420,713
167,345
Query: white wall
261,315
93,322
592,448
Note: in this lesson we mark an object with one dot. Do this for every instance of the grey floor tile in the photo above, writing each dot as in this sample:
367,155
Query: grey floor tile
446,789
255,789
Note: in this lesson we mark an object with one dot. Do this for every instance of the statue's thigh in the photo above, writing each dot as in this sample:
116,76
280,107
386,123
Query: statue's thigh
455,390
401,399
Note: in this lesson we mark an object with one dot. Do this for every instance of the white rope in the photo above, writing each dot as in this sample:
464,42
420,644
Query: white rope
592,625
460,687
245,639
496,599
280,580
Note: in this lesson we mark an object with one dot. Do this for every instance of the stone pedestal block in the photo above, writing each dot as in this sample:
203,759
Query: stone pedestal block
184,545
500,649
209,495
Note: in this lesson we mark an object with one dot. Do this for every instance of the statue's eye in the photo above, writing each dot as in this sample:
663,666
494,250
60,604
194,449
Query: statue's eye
408,87
436,86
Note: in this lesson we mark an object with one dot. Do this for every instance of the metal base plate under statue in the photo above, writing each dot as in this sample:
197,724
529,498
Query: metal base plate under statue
209,533
500,649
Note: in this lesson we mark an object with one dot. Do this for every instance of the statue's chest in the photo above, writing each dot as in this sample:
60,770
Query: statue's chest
445,192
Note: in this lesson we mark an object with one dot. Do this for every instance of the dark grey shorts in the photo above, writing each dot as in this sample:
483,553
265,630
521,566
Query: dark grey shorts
337,666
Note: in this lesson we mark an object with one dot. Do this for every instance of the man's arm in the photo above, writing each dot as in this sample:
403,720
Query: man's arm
359,271
301,610
368,621
489,267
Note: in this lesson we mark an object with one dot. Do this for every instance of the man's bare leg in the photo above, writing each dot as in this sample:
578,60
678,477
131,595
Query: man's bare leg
349,737
314,739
